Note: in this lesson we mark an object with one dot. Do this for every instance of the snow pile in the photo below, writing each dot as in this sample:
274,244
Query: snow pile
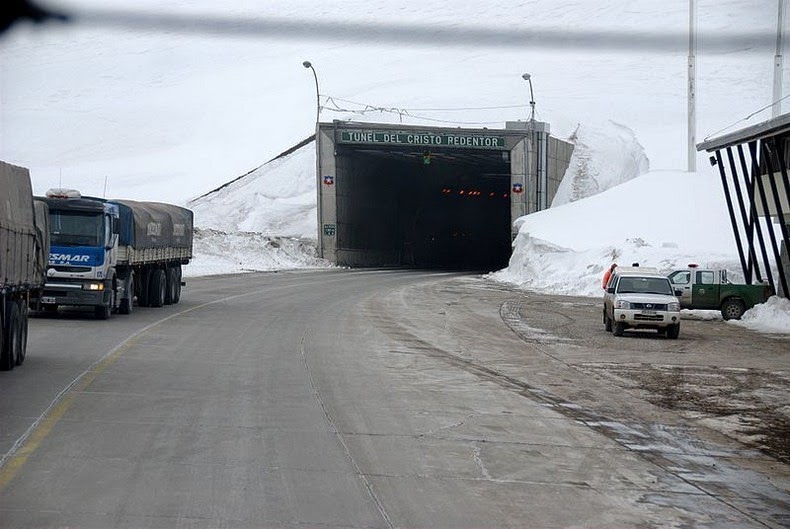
603,156
661,219
773,316
217,252
277,198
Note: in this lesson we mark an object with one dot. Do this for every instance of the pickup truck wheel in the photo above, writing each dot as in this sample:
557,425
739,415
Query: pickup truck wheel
607,323
673,331
619,328
732,309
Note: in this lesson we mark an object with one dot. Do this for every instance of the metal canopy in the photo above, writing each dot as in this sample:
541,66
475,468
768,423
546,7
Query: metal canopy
753,165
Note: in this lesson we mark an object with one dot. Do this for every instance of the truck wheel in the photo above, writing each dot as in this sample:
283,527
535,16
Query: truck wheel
23,324
619,328
157,288
143,284
177,292
10,347
2,349
607,322
103,312
170,287
126,304
673,331
732,309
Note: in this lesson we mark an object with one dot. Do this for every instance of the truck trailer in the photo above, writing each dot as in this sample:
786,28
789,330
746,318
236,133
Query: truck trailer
107,253
24,243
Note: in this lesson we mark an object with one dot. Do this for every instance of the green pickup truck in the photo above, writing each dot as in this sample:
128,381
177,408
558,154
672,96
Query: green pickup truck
698,288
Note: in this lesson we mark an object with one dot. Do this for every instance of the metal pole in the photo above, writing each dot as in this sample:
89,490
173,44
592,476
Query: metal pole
778,60
528,78
692,81
307,64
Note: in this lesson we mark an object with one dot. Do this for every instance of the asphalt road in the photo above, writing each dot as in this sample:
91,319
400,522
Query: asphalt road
371,399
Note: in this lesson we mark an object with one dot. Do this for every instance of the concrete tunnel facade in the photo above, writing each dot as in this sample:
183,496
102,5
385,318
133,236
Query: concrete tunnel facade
431,197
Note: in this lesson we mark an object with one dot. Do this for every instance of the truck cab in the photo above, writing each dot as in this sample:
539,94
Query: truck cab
640,298
710,289
83,250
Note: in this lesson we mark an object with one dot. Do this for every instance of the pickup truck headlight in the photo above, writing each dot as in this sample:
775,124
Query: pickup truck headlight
673,307
622,304
93,286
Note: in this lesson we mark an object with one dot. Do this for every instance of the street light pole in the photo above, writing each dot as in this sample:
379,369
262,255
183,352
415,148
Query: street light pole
308,64
691,129
527,77
778,60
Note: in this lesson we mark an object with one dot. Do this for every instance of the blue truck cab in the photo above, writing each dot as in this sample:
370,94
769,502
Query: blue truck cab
84,235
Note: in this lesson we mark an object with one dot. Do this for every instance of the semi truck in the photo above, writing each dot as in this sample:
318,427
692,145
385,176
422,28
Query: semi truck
709,289
24,243
107,254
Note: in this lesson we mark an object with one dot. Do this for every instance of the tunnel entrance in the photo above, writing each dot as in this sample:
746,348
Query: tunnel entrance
425,208
431,197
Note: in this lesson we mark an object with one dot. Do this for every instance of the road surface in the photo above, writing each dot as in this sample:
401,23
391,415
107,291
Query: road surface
387,398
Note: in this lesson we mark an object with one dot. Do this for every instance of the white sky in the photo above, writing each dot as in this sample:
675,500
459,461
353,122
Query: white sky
168,116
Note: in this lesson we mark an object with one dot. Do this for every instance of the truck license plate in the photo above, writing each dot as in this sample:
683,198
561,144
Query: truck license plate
648,312
47,299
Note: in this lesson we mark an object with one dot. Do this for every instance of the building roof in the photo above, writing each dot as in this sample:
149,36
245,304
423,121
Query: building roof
772,127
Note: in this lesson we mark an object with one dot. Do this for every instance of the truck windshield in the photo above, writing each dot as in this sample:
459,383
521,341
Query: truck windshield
644,285
75,228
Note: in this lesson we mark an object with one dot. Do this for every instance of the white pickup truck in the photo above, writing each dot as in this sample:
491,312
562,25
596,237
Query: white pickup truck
640,298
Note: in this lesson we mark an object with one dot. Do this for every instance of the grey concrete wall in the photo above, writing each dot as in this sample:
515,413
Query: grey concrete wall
560,152
523,170
327,194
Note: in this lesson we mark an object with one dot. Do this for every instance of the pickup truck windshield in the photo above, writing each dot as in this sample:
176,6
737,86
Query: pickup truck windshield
72,228
644,285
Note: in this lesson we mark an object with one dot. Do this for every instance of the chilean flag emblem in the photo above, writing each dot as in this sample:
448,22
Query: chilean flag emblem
518,188
329,180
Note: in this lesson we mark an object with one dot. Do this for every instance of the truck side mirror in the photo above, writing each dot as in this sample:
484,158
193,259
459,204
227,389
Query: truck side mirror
610,290
678,292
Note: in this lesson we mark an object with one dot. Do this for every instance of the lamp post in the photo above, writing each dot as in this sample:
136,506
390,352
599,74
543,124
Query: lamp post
308,64
528,78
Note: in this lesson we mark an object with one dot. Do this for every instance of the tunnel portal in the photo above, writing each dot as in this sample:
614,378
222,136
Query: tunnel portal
425,208
422,198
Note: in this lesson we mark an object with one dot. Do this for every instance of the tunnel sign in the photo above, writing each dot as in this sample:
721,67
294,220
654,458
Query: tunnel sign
461,141
329,230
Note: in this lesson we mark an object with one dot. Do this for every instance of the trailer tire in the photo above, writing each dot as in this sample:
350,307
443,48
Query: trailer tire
177,292
126,304
23,326
157,288
170,288
4,363
10,347
143,284
732,309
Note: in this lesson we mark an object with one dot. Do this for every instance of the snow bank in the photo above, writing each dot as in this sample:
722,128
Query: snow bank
603,156
217,252
278,198
773,316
